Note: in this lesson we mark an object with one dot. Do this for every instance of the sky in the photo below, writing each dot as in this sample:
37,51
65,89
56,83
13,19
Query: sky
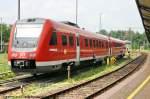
115,14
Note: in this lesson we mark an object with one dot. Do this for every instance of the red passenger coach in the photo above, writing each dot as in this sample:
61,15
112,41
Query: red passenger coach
42,45
118,47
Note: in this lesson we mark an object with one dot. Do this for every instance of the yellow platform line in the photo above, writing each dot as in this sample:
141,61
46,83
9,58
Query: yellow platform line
139,88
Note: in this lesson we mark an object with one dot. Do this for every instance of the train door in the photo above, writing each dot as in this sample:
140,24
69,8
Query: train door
53,47
78,49
110,47
72,46
64,47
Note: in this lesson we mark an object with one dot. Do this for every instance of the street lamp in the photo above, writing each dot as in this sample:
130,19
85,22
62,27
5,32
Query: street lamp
1,35
18,9
76,11
100,22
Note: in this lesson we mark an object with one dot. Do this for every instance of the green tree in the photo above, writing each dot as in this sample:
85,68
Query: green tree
5,32
104,32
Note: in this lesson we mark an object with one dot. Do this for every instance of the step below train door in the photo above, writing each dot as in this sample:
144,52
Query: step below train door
77,49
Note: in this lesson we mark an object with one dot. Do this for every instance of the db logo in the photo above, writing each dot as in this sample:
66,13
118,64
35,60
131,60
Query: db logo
22,55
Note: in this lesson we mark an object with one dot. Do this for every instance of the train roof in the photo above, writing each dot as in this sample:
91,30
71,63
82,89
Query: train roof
68,27
31,21
117,40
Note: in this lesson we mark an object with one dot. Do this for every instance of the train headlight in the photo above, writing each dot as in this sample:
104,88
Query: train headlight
15,63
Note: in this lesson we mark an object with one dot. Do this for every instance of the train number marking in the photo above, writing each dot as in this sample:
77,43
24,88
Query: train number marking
22,55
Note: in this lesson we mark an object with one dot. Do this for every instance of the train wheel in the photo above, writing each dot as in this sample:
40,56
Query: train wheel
34,74
100,62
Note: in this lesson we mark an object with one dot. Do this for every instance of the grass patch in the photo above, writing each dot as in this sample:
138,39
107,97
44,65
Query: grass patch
96,72
3,63
4,67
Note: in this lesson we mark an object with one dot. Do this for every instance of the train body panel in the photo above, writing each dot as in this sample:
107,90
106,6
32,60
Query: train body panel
43,45
118,47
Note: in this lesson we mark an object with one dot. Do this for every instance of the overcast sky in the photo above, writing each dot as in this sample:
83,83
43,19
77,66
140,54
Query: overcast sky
116,14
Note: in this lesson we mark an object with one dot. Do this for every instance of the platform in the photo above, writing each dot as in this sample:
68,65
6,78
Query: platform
132,87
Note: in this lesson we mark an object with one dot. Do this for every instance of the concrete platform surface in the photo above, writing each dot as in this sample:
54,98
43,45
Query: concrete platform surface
128,86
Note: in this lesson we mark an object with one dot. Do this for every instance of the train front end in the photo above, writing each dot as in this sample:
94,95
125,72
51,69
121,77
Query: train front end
23,46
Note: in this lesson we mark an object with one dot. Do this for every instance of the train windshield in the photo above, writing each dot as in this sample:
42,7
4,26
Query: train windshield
27,35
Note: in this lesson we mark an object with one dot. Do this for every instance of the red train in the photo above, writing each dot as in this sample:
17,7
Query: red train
43,45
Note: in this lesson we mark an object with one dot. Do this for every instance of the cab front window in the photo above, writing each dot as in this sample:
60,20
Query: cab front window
27,35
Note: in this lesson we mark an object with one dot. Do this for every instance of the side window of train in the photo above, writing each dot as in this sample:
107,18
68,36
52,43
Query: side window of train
118,45
106,44
86,42
78,41
94,43
90,43
71,40
53,40
103,44
100,44
64,40
97,43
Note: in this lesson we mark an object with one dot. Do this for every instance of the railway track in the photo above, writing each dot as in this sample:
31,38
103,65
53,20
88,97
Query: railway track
14,84
90,89
18,77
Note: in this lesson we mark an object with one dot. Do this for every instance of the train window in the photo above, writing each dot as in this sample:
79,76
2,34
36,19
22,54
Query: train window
106,45
71,41
117,45
103,44
86,42
90,43
64,40
96,43
100,44
53,40
78,41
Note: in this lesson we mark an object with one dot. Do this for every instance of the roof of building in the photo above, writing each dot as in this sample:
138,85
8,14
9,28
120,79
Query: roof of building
144,9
